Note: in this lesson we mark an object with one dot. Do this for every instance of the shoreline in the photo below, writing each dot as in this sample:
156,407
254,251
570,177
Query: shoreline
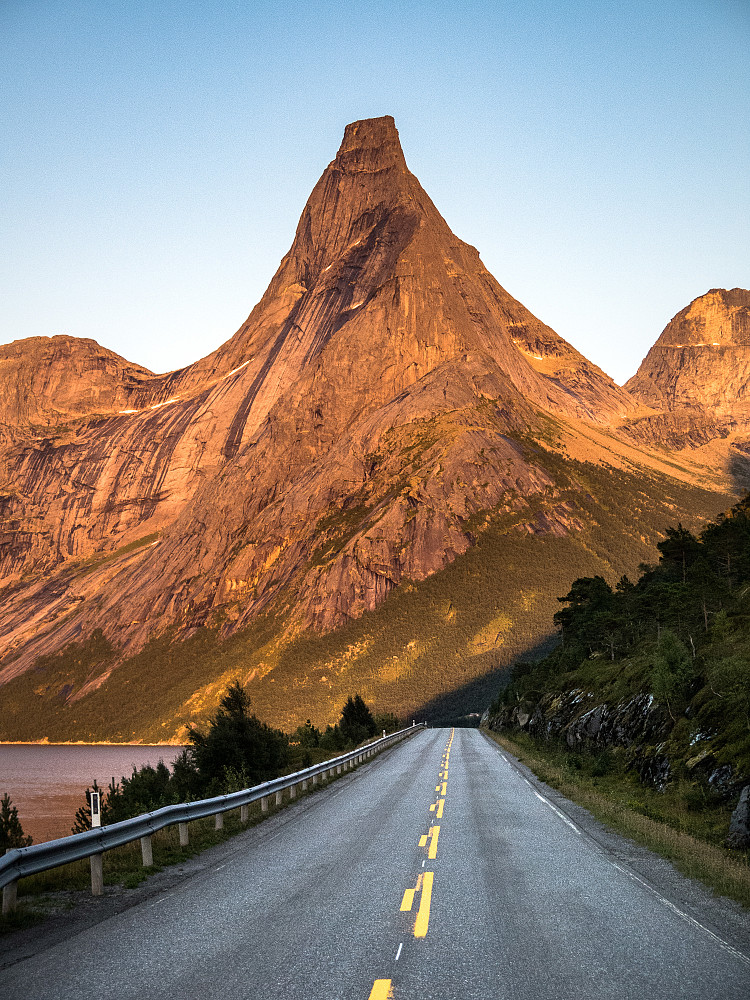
81,743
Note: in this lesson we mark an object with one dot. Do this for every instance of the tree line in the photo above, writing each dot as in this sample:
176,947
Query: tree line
235,751
681,632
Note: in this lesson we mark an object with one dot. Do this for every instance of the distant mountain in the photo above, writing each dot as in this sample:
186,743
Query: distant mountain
697,375
386,409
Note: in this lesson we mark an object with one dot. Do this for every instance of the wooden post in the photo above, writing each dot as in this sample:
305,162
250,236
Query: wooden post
314,780
303,785
10,897
97,875
147,852
292,791
184,835
264,804
219,821
279,798
244,814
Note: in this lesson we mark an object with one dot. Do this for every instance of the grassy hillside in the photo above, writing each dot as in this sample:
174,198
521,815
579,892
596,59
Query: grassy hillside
433,649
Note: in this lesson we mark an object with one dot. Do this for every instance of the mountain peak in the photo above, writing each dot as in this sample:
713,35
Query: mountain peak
701,361
370,144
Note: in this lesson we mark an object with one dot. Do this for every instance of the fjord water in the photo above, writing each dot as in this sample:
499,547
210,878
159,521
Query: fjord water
47,782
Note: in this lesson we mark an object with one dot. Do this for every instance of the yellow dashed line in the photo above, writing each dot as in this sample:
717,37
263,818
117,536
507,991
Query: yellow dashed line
439,812
423,915
408,901
381,990
432,853
432,838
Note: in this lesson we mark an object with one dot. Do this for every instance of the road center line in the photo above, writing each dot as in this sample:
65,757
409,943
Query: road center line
381,990
423,914
408,901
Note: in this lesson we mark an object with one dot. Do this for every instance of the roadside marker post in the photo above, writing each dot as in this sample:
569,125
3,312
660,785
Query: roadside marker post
96,815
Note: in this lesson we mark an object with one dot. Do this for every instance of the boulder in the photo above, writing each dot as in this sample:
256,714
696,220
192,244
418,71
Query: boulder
739,825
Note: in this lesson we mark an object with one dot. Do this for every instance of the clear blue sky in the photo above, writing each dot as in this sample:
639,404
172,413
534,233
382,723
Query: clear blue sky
156,156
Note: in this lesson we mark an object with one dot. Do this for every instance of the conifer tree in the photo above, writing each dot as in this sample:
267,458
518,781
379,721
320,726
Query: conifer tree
11,831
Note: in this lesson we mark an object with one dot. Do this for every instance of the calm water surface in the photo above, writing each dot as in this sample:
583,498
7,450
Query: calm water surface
48,782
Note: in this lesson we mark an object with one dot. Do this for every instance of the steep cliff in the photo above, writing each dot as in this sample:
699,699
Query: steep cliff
379,400
700,365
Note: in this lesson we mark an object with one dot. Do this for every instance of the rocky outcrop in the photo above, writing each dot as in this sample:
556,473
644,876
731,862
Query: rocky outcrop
638,726
699,368
575,718
739,825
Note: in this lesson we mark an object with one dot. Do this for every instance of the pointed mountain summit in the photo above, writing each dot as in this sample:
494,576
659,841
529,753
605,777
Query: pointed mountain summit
386,414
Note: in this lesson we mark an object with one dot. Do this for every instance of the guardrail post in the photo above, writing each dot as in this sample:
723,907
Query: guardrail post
244,814
314,780
292,791
278,798
147,852
184,835
303,785
10,897
219,821
97,875
338,769
264,803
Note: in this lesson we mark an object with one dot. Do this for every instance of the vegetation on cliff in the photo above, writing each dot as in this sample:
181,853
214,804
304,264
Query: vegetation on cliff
648,691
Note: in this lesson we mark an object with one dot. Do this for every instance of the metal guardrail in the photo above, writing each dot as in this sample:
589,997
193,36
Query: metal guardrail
19,862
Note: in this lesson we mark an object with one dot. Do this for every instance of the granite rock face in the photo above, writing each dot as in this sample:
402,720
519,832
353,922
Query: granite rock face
699,368
739,825
338,443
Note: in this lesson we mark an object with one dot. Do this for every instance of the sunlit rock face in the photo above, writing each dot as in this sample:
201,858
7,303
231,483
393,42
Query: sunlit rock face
700,365
374,400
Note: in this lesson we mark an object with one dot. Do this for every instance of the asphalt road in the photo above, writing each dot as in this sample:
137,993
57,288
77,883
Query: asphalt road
511,899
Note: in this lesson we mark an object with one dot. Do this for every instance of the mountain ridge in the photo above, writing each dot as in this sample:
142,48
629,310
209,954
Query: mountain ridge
376,403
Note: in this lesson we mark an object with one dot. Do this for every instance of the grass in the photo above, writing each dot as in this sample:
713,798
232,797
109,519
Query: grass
686,832
40,895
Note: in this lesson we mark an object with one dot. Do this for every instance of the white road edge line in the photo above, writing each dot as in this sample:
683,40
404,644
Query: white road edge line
685,916
160,900
398,953
562,815
724,945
